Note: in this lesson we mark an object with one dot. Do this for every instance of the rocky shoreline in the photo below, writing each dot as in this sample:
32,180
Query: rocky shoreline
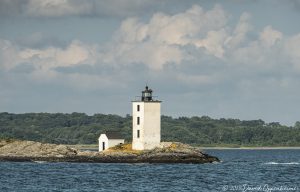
29,151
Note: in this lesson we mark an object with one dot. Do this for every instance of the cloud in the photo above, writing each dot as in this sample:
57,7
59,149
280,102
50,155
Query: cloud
269,36
161,41
8,55
65,8
39,65
240,32
51,57
263,53
57,8
213,43
291,48
164,40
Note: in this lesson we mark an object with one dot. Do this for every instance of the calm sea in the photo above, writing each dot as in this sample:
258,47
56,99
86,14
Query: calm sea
240,170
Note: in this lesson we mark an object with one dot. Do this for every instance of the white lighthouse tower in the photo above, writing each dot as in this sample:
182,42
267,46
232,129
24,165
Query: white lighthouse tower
145,122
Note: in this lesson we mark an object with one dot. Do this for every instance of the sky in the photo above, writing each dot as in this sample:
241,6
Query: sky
223,59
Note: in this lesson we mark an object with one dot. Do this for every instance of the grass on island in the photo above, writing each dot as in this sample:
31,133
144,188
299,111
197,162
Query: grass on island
125,148
173,146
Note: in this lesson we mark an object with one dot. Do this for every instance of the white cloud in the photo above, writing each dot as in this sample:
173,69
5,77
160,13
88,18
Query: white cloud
292,49
8,55
44,61
213,43
264,53
269,36
240,32
75,53
162,39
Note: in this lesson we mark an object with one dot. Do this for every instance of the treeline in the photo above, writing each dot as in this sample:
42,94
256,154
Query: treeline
79,128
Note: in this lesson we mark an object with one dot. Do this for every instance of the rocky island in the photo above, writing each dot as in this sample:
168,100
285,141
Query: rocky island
168,152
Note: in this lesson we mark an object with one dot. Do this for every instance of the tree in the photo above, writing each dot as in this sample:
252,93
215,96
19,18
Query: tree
297,124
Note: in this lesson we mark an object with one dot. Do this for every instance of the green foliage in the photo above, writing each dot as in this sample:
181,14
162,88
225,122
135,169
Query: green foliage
79,128
297,124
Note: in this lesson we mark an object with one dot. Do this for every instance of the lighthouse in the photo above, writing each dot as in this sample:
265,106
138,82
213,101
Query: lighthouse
146,121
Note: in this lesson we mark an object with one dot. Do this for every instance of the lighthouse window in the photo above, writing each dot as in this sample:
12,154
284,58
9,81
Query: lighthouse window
138,120
138,107
138,133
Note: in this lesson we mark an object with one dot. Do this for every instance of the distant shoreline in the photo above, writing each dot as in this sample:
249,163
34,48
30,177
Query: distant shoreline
95,147
250,148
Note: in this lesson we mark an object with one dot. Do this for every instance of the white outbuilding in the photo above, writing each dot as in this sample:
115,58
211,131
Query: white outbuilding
145,122
110,139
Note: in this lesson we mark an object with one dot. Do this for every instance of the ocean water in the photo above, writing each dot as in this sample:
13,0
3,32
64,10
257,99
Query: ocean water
240,170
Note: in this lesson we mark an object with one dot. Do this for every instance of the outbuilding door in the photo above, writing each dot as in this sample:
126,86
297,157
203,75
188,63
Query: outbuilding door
103,146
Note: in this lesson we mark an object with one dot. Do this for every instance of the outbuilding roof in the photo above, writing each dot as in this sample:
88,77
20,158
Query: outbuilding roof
114,135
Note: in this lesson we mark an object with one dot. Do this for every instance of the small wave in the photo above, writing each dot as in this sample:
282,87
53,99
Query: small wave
40,161
277,163
216,162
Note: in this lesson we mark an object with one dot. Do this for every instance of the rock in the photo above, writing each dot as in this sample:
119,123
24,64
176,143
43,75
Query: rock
35,149
166,153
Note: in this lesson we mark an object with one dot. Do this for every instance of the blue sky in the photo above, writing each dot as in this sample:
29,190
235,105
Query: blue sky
231,59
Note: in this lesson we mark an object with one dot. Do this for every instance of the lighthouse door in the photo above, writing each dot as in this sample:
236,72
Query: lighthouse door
103,146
